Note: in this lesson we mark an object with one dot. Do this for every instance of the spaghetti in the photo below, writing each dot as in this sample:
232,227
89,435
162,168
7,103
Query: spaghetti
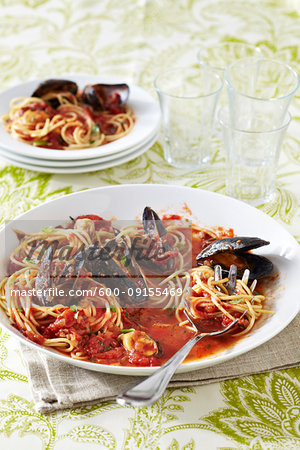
64,121
97,327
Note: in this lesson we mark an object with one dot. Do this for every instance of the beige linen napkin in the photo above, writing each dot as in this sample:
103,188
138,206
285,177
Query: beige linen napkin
56,385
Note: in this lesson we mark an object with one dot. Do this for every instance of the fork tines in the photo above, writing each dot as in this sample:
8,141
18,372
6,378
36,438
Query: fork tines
232,276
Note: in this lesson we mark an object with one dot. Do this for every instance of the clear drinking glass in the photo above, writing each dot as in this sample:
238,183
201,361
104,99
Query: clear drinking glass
260,92
188,99
217,56
251,158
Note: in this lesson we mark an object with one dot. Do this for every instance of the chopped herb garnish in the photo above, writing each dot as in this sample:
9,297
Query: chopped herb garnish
107,348
20,309
92,142
128,330
181,246
207,346
47,229
74,308
40,142
30,261
171,309
113,309
211,239
235,302
61,141
256,293
95,128
100,342
124,260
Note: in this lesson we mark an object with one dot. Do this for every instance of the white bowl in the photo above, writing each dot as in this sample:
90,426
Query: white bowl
127,202
143,105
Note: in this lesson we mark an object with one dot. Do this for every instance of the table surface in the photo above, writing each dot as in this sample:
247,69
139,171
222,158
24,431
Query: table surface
136,40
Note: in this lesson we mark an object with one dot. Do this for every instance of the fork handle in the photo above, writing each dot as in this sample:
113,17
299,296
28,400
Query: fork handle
150,389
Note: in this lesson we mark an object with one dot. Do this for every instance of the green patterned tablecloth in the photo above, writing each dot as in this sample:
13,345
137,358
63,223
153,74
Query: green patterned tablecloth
137,39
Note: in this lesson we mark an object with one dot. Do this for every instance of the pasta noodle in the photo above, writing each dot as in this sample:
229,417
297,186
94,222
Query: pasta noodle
69,126
94,328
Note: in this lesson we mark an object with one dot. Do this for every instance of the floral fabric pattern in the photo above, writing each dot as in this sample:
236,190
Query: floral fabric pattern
137,39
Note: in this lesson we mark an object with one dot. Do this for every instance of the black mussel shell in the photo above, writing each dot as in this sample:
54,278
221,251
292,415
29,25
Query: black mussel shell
259,266
53,85
152,267
234,245
155,229
99,95
44,276
108,266
153,226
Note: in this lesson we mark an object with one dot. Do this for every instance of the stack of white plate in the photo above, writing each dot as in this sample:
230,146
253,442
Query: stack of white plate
142,136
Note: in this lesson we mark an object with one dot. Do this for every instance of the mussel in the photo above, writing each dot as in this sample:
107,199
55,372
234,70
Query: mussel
158,257
104,96
43,279
235,250
153,226
116,267
53,85
47,278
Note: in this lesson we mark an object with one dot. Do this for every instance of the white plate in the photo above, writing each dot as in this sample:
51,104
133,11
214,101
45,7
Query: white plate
144,107
83,168
76,163
128,201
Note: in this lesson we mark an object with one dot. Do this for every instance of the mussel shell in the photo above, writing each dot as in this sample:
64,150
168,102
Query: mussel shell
155,229
72,269
153,226
97,95
53,85
259,266
43,279
110,271
151,267
234,245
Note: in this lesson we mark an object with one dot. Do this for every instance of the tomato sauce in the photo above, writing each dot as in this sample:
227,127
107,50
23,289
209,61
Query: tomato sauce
161,325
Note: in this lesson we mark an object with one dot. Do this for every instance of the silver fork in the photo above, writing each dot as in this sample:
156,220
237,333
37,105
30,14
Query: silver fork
151,388
232,275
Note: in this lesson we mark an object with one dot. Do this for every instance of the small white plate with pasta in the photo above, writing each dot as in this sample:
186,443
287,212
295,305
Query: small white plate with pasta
57,124
76,166
100,333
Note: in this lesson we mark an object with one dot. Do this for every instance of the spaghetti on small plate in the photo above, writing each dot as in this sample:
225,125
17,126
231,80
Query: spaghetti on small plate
82,118
58,115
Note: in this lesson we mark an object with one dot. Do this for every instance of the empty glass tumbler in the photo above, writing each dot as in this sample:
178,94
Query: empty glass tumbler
218,56
251,158
188,99
260,92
